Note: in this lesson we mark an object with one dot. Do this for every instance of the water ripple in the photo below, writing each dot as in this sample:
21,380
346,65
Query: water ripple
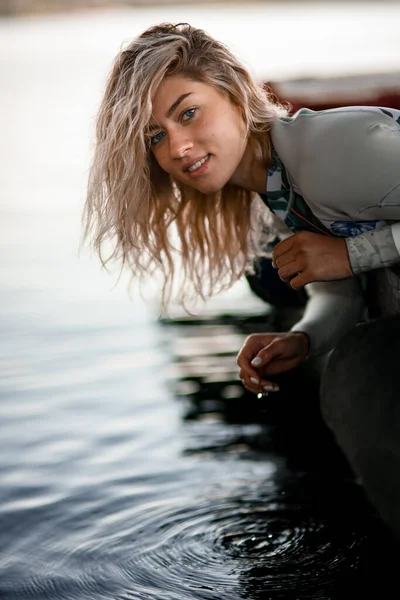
247,539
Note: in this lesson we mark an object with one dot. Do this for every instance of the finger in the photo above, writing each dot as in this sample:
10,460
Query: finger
257,384
269,353
288,271
285,259
250,347
264,386
300,280
281,248
250,375
248,352
247,370
269,386
251,387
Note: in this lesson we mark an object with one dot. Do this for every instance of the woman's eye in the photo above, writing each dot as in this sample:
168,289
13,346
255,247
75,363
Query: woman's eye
188,114
157,138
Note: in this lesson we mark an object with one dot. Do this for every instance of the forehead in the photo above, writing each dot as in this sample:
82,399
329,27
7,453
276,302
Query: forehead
174,86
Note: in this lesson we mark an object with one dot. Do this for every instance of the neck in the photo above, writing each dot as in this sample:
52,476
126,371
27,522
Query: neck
251,173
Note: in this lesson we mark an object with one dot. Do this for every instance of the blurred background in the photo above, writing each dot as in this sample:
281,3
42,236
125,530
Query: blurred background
114,482
32,6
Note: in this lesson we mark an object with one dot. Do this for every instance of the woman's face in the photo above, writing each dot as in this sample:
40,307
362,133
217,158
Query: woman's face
196,134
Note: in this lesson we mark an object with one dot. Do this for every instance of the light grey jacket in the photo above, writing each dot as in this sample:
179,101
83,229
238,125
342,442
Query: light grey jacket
345,163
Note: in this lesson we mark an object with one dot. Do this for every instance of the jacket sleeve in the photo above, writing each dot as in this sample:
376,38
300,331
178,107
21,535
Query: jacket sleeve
374,249
333,308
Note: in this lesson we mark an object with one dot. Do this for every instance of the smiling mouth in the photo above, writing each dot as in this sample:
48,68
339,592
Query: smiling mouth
198,164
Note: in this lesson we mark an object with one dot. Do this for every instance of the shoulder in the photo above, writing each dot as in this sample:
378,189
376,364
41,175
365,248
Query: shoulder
332,154
342,113
306,119
345,129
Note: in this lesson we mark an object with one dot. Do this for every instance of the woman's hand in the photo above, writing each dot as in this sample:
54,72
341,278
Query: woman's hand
306,257
266,354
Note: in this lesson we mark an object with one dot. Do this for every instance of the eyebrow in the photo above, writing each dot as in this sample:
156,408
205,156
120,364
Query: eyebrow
171,109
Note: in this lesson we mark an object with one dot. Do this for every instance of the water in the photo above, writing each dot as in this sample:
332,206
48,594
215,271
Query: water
112,486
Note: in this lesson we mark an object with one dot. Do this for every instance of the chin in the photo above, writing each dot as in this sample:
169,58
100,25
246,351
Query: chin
205,186
210,187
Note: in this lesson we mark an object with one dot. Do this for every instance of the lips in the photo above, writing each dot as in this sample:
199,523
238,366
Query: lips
195,165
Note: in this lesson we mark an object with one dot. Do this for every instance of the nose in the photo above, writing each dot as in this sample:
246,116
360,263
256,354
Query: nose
179,144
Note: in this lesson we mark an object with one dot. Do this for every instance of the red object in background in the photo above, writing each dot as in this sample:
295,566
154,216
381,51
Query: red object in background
375,89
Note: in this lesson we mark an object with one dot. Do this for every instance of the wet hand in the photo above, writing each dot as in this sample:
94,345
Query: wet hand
306,257
266,354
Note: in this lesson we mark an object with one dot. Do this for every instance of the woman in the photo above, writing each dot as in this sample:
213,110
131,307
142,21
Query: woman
195,162
189,152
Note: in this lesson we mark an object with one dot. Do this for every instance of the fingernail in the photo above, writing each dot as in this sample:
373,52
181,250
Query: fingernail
256,361
254,380
271,388
274,265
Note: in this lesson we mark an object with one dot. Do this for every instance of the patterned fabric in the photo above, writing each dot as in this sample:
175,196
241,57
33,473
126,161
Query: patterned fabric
287,204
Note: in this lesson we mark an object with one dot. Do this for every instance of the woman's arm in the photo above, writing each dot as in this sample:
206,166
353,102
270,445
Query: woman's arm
307,257
333,308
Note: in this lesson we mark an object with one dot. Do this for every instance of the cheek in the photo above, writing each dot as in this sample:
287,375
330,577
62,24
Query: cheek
232,131
160,158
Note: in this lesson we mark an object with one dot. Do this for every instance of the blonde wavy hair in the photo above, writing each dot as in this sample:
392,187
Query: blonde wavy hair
149,219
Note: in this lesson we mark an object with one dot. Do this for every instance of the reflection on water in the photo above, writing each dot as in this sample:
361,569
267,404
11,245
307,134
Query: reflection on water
114,488
115,484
